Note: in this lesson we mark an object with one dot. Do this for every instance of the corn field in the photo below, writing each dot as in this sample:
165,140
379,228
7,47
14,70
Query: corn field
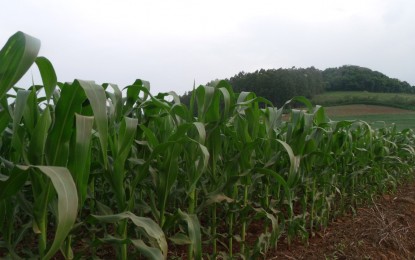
87,169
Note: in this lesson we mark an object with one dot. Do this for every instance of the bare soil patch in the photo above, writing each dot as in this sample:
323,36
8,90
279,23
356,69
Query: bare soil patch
383,230
356,110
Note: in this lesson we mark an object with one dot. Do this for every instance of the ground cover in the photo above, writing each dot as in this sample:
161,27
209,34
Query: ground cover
336,98
378,116
385,229
98,171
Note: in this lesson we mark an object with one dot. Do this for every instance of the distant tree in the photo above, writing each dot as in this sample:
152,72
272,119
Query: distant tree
280,85
355,78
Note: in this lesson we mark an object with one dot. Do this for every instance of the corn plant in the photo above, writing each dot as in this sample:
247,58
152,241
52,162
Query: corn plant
99,171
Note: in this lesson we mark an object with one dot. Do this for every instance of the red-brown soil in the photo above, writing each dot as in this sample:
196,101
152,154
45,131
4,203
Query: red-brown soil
357,110
383,230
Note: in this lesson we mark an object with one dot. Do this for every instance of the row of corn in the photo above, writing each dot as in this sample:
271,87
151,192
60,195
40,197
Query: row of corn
95,171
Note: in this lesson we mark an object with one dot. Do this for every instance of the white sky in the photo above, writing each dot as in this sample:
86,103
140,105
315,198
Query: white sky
173,43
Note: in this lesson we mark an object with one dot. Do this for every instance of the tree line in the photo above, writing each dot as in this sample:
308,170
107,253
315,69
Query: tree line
355,78
280,85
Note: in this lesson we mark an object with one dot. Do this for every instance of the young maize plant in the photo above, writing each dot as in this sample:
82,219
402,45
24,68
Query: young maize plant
96,171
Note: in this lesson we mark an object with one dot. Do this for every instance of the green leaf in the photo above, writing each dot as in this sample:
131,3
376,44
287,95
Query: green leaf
97,98
294,160
180,239
116,99
67,203
79,160
149,252
4,120
151,137
176,97
152,230
126,138
201,131
31,112
16,57
69,103
18,137
133,93
305,101
278,178
20,104
126,134
103,209
13,184
193,228
48,75
169,168
204,97
38,141
226,90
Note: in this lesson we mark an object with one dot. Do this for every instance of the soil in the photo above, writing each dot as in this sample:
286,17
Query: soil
383,230
357,110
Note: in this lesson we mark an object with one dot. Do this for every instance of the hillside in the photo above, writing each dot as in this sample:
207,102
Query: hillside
280,85
355,78
336,98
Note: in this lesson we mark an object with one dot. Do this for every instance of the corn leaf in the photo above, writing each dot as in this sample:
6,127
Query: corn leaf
48,75
12,184
79,160
126,138
17,138
16,57
193,229
150,252
97,98
152,230
69,103
67,203
38,141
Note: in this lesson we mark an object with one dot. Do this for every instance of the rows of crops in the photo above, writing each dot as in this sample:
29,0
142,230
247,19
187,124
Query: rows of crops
92,171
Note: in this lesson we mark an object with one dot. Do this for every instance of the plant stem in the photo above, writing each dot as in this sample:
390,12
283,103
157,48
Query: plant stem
122,231
43,222
243,232
191,209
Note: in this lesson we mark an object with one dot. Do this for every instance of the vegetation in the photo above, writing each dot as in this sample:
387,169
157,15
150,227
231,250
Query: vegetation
283,84
280,85
355,78
401,121
277,86
376,116
336,98
85,166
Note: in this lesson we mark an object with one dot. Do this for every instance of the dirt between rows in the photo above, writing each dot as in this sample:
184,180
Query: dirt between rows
385,229
382,229
357,110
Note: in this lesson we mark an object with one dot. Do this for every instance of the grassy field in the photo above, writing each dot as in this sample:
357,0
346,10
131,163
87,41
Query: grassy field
378,116
400,100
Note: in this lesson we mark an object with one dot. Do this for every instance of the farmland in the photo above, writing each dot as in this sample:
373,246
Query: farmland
377,116
91,170
382,230
336,98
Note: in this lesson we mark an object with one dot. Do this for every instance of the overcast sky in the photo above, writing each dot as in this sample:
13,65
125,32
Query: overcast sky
173,43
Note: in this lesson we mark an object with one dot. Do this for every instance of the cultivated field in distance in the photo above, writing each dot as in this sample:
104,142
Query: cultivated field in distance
378,116
335,98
